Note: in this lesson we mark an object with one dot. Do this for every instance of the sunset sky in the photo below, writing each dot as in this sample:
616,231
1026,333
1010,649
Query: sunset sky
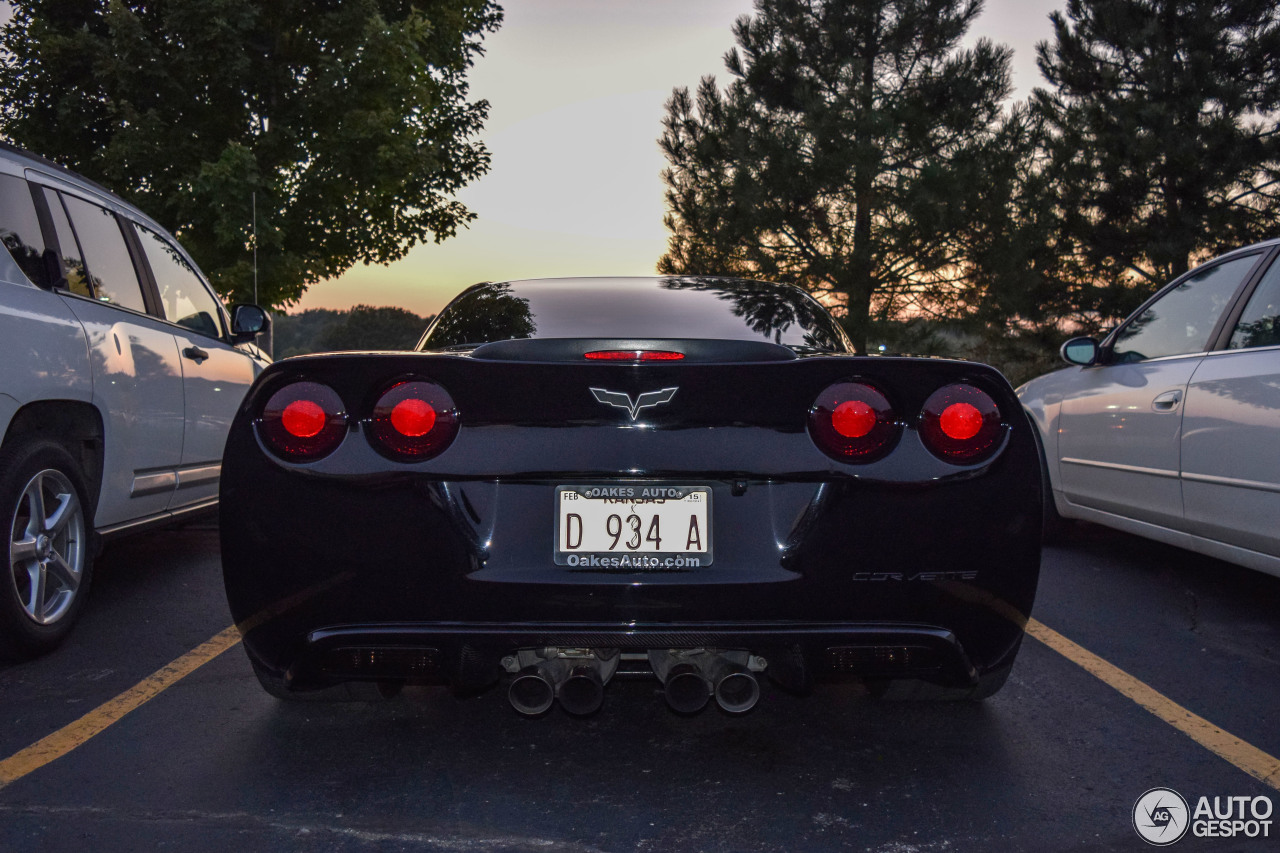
576,89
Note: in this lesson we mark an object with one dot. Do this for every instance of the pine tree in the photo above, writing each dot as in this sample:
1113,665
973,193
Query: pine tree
1161,143
857,152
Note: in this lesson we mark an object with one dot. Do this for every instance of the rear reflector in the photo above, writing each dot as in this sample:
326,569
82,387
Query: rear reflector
961,424
880,660
379,662
853,422
413,421
633,355
303,422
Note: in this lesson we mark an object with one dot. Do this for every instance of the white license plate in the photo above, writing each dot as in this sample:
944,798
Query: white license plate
633,526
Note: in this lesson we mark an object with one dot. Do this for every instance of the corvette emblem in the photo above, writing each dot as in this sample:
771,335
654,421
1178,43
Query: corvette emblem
623,401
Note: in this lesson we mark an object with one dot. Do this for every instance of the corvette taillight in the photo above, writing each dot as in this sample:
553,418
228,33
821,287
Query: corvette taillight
633,355
853,422
303,421
413,421
961,423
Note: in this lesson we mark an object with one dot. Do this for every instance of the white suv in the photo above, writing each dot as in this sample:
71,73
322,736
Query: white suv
120,372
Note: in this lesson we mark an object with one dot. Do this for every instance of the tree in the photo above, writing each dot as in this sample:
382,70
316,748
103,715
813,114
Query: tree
348,121
368,328
296,334
856,153
1160,142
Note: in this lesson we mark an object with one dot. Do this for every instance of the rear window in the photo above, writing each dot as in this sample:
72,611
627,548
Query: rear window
20,229
671,308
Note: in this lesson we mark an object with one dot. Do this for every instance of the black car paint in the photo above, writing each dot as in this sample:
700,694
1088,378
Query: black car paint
455,554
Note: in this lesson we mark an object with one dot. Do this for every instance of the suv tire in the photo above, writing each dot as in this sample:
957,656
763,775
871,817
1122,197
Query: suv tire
44,516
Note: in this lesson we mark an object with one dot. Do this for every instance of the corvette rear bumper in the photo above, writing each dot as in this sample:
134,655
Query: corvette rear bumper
470,654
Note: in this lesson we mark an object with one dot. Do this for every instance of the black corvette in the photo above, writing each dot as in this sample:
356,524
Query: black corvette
570,481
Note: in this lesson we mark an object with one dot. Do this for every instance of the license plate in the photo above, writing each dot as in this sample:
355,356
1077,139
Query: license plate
633,526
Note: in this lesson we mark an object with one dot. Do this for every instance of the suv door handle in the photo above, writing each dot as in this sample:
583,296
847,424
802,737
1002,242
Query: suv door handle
195,354
1167,402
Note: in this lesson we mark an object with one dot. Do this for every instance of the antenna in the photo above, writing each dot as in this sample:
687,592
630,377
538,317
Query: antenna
254,197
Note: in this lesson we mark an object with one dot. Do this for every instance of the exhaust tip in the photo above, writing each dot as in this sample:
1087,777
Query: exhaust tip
582,692
531,693
738,692
687,689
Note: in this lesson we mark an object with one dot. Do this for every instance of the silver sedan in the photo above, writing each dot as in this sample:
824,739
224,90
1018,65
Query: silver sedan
1169,427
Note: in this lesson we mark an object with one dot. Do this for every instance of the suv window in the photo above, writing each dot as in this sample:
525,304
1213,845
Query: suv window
77,281
1181,320
1259,325
183,296
106,255
20,229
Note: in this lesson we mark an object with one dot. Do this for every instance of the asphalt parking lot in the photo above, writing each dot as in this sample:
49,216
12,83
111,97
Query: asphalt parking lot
148,731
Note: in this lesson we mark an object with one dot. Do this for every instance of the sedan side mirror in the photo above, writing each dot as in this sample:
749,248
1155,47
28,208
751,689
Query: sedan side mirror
247,322
1081,351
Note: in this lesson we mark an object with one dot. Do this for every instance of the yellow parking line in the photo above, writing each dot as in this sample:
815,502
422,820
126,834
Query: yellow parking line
72,735
1243,755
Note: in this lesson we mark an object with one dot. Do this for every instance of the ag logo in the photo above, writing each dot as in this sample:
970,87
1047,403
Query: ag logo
1161,816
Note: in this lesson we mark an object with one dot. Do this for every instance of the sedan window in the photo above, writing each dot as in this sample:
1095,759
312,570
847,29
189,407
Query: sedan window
1259,325
182,295
1181,320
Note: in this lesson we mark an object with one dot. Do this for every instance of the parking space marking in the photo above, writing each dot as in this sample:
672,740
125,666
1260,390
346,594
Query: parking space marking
74,734
1244,755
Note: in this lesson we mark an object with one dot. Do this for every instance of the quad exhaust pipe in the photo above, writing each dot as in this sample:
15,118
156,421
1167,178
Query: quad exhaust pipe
689,680
531,692
737,689
582,692
576,679
573,677
686,688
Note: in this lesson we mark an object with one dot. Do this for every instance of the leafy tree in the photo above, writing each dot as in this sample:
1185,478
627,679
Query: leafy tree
484,314
1160,143
349,121
856,152
367,327
296,334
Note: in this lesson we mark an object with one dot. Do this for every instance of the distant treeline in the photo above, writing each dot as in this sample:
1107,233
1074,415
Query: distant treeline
364,327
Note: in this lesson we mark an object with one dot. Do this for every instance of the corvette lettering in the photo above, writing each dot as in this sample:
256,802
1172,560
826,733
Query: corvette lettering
918,576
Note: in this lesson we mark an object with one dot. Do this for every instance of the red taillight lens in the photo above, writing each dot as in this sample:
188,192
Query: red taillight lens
633,355
961,423
303,421
853,422
413,421
413,417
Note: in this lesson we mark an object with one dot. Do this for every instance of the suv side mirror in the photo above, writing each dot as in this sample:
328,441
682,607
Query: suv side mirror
247,322
1081,351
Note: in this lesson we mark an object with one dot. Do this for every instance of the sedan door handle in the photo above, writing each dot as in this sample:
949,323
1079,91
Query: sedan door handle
1167,402
195,354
